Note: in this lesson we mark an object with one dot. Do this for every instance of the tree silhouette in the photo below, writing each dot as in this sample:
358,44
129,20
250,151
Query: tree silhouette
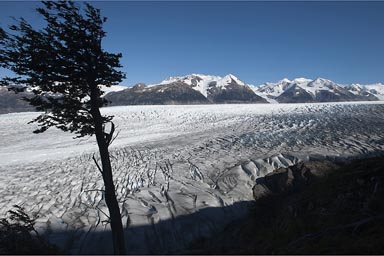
63,64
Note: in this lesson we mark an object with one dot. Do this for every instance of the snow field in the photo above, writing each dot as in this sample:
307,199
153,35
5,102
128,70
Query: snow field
179,170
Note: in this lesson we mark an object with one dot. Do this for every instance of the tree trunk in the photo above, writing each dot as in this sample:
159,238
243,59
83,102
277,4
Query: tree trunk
110,198
110,195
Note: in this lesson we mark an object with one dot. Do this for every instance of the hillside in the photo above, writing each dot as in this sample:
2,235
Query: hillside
170,94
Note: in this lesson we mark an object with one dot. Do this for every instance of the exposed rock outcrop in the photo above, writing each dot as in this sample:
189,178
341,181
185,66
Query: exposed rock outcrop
340,213
291,178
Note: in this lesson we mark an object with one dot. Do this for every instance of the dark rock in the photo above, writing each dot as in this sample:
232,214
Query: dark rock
342,94
295,94
169,94
138,86
291,178
233,93
260,191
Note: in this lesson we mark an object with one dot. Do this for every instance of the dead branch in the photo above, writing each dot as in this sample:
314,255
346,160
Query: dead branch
91,190
113,139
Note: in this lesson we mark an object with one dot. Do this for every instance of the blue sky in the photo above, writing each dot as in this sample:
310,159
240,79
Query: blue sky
256,41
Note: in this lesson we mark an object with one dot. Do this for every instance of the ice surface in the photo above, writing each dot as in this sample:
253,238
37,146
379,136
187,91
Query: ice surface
181,172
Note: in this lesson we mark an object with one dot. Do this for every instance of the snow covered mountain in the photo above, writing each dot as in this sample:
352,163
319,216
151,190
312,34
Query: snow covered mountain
319,90
163,94
113,88
375,89
189,89
227,89
206,89
203,83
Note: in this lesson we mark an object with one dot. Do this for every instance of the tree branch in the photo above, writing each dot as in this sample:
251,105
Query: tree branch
109,136
98,166
113,139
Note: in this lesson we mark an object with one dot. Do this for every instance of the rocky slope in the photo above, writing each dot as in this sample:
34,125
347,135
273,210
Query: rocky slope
167,94
295,94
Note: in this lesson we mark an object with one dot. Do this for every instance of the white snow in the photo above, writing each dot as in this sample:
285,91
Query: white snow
272,90
375,89
181,172
201,83
228,79
313,87
113,88
269,90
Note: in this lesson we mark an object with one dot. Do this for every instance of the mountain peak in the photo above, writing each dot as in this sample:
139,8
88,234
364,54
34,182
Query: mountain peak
285,80
230,77
322,80
321,89
202,82
301,80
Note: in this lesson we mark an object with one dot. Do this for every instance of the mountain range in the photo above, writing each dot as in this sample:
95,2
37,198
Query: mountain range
303,90
208,89
190,89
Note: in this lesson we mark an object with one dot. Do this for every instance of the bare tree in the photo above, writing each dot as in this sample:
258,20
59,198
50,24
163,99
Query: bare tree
63,64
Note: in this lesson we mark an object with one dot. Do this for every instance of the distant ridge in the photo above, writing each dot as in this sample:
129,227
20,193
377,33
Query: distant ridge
230,89
210,89
189,89
302,90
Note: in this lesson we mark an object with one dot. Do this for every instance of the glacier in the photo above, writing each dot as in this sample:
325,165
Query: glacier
181,172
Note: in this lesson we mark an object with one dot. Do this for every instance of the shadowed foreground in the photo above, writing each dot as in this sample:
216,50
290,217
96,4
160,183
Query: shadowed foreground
165,237
341,213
